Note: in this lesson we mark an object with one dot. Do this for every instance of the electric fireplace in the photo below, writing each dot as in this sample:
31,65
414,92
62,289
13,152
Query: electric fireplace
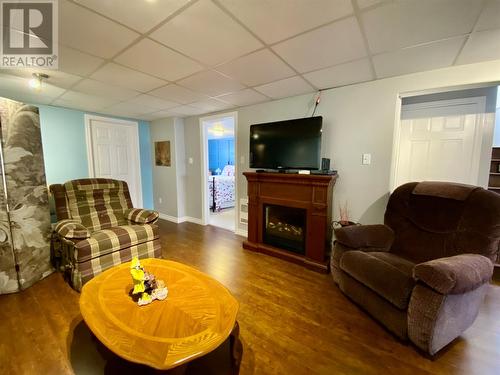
285,227
289,217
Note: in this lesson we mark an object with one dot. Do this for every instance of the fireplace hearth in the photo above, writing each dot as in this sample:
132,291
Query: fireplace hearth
289,216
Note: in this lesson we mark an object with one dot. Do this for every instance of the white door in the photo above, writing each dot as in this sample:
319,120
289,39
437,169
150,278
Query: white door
440,141
115,154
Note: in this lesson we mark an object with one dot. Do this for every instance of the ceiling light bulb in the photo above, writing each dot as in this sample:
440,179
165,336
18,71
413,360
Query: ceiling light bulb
36,82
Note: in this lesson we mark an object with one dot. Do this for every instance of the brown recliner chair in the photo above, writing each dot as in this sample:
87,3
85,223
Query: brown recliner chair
424,273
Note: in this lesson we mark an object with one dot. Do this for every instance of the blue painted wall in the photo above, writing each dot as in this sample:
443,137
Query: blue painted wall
220,153
65,149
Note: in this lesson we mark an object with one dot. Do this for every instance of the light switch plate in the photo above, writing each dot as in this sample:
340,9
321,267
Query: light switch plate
367,159
242,160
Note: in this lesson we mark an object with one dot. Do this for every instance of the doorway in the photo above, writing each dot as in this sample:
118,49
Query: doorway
218,137
445,137
113,152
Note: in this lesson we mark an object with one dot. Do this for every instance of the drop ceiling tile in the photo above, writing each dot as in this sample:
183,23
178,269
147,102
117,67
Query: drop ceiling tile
257,68
362,4
211,83
158,115
79,106
87,31
244,97
92,87
276,20
28,98
139,15
416,59
286,87
490,16
187,110
153,102
19,85
121,112
481,46
212,105
178,94
128,108
153,58
16,88
340,75
120,76
206,33
73,99
330,45
56,77
76,62
408,23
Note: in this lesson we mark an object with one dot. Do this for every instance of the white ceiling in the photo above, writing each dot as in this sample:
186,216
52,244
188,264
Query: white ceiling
150,59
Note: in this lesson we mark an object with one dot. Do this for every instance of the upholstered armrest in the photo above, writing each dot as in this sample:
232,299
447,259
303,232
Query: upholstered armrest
455,275
365,236
69,228
141,216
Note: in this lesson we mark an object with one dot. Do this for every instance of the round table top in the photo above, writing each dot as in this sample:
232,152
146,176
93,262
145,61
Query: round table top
196,317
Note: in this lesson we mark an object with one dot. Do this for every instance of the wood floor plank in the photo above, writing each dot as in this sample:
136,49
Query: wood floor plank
292,320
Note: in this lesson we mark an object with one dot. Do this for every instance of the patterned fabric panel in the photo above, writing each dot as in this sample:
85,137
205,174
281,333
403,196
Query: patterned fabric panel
222,196
83,272
98,203
109,240
70,228
141,216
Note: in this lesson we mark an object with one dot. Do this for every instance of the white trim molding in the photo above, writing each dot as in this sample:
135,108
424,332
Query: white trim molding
204,164
179,220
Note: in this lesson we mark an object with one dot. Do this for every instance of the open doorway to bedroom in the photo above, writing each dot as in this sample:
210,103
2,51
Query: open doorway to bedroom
219,182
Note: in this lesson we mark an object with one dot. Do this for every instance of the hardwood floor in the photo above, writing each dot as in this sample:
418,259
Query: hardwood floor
292,320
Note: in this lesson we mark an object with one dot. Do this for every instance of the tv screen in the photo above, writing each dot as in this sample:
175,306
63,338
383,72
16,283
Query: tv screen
290,144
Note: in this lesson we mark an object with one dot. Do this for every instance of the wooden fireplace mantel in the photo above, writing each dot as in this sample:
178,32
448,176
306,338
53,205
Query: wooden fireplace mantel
310,192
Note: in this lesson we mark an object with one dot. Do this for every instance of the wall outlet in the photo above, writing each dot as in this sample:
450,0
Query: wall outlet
160,200
367,159
242,160
190,160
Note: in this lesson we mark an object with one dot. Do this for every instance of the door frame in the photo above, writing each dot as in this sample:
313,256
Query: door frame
135,157
204,166
481,137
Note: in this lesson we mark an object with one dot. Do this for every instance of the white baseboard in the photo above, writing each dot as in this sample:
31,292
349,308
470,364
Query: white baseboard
190,219
182,219
241,232
171,218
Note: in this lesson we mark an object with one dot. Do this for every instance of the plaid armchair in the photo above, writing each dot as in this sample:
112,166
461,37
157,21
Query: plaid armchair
97,228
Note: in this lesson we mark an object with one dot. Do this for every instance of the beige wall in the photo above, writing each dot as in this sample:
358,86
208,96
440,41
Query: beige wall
357,119
164,178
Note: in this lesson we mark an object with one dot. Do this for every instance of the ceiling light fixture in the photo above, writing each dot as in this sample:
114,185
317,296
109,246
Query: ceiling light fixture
217,129
36,82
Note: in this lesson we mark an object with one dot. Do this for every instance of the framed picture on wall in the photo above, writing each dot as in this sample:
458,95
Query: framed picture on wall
162,153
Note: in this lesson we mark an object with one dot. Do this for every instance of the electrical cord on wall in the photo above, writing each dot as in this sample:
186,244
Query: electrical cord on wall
316,103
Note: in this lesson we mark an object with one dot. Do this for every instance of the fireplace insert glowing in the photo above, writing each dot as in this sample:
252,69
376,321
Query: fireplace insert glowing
285,227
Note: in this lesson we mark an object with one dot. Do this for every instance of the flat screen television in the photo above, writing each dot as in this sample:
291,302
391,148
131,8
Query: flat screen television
290,144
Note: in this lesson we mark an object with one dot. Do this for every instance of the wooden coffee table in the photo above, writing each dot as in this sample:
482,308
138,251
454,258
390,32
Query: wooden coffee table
198,315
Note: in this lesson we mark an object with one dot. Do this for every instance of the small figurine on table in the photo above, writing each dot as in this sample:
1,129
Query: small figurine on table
145,284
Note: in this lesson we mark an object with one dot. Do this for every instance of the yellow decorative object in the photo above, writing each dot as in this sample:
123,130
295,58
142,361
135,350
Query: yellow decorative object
146,284
198,316
137,273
